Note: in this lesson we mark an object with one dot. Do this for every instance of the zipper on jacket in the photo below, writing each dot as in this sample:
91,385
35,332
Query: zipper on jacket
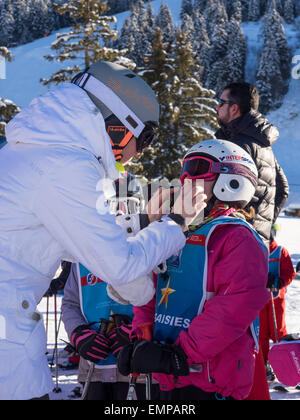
210,379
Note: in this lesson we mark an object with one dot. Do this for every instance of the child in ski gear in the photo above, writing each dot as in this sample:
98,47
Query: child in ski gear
208,300
53,207
281,274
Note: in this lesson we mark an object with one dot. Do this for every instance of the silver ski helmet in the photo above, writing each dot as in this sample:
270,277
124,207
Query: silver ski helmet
119,92
232,167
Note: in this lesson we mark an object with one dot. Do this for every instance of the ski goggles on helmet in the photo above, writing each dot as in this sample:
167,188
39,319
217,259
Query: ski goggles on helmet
201,167
119,135
147,136
198,167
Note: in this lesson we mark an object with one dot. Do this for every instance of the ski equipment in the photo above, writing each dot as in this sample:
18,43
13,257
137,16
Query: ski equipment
285,360
121,92
233,168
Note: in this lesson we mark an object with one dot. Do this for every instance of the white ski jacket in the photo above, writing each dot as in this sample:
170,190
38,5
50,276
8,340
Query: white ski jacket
52,208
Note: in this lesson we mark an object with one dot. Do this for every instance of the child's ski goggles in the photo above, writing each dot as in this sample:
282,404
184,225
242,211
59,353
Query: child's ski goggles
200,167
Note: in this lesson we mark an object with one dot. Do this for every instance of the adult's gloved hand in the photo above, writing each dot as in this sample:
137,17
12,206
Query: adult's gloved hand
150,357
89,344
271,284
59,282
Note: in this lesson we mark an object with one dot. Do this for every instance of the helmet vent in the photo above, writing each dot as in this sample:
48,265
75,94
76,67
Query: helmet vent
131,121
130,76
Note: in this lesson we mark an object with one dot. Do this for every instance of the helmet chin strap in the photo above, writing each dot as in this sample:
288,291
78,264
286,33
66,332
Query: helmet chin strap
210,206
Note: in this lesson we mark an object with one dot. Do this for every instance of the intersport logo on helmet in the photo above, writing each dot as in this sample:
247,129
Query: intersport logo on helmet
119,87
235,158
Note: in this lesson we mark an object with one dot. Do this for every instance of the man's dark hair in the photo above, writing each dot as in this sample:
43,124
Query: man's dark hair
244,95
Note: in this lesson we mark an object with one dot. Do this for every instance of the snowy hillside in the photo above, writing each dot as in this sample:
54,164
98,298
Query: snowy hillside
23,74
287,117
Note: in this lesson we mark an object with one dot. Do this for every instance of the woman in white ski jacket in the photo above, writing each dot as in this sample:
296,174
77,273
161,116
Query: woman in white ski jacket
53,207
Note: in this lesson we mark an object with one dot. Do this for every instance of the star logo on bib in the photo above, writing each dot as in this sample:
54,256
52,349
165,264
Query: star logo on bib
166,292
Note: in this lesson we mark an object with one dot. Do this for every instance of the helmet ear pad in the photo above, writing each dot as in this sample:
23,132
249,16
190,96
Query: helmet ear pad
233,188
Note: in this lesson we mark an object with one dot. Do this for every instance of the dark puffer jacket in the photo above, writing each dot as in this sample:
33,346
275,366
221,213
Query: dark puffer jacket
256,135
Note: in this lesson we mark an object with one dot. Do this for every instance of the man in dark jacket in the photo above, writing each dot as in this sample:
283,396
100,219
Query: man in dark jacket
241,123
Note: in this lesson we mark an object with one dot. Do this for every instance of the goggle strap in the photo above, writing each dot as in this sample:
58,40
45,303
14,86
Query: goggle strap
234,169
126,139
112,101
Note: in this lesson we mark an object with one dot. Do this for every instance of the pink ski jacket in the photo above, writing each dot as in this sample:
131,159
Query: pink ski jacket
219,344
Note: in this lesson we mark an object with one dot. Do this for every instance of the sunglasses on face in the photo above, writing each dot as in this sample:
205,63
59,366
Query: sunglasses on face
221,102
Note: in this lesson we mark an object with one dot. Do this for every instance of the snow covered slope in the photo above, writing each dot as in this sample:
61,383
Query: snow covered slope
23,74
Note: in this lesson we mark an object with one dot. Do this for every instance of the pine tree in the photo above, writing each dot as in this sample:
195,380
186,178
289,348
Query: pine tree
269,78
21,15
245,10
187,109
254,12
274,64
217,17
194,113
273,26
157,73
7,107
199,5
234,65
289,11
187,26
86,40
186,8
201,45
6,24
40,20
165,22
279,6
137,32
236,10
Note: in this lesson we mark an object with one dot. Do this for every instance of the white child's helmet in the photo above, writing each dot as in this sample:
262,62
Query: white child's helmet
237,174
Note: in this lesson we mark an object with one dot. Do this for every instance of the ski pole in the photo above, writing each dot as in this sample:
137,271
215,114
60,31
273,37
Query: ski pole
146,335
57,389
104,323
274,315
47,320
